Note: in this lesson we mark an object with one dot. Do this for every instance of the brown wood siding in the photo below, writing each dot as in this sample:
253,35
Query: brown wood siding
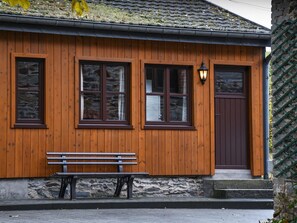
160,152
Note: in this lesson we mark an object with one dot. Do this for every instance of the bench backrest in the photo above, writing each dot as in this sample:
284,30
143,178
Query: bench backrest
85,158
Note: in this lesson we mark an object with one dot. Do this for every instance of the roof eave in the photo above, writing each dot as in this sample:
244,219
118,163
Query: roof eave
20,23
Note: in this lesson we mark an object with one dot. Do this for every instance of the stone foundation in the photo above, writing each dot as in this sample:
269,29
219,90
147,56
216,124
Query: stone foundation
39,188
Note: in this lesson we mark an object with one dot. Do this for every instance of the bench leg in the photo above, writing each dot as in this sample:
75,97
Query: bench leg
129,187
64,184
73,188
120,184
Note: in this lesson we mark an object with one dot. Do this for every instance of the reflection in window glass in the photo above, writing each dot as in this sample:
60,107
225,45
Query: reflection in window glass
91,75
116,107
29,90
115,78
229,82
178,81
90,106
28,105
104,93
178,109
154,108
155,80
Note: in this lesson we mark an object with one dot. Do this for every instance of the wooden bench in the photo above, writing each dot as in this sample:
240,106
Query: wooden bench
118,160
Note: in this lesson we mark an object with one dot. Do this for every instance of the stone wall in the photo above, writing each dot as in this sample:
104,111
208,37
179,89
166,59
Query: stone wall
39,188
284,86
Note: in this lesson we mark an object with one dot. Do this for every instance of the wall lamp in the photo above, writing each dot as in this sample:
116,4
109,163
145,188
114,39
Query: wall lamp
203,72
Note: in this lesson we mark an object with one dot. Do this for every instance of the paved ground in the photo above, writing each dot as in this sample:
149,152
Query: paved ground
137,215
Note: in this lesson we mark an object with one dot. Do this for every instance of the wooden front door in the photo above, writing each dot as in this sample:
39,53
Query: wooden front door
231,117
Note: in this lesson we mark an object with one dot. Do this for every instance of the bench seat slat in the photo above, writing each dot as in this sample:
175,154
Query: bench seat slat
82,153
92,163
104,174
90,158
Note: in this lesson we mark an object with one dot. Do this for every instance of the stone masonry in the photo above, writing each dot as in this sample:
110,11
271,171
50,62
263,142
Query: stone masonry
48,188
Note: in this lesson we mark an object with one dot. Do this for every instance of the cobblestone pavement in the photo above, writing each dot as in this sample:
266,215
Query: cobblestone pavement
137,215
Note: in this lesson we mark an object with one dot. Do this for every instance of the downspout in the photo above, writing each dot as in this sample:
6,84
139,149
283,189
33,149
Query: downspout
266,61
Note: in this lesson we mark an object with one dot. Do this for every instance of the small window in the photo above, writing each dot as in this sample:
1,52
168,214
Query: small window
29,92
229,82
104,93
168,96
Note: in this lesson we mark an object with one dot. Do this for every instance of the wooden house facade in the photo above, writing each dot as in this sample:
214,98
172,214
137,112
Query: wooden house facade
108,86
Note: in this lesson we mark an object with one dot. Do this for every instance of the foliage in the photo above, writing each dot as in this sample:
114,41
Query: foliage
288,212
78,6
25,4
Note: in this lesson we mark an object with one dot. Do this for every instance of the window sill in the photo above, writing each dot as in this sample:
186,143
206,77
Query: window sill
169,127
104,126
29,126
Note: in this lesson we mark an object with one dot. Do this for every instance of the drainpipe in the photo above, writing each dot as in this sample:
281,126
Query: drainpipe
266,110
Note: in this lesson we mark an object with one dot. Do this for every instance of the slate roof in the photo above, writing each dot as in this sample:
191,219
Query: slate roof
178,16
194,14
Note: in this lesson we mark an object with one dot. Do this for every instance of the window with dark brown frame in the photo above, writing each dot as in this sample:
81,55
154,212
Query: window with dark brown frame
29,92
104,94
168,96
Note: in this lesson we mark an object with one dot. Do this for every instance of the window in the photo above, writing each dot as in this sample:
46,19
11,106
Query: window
29,97
104,93
168,91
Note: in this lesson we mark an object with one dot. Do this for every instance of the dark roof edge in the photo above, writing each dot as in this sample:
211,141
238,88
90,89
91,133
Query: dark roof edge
34,24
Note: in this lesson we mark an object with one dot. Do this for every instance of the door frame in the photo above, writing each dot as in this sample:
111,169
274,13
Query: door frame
254,103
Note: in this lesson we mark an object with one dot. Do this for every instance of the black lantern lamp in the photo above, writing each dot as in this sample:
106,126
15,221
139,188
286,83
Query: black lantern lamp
203,72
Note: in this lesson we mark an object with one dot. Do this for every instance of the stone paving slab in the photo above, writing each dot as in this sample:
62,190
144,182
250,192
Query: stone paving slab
137,215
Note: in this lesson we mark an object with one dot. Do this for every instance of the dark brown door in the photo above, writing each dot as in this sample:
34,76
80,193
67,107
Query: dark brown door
231,117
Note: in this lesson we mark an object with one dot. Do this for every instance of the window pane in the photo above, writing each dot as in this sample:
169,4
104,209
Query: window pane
154,108
155,80
178,81
178,109
90,106
28,105
115,107
90,75
229,82
28,75
115,78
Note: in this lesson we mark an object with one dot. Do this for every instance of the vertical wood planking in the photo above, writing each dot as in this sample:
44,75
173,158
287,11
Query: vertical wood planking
206,117
49,143
57,93
4,97
199,114
41,161
161,152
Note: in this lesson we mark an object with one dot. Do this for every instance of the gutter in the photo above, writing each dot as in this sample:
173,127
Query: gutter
266,112
34,24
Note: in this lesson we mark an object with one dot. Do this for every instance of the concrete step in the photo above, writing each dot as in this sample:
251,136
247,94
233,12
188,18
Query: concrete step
247,188
243,184
243,193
